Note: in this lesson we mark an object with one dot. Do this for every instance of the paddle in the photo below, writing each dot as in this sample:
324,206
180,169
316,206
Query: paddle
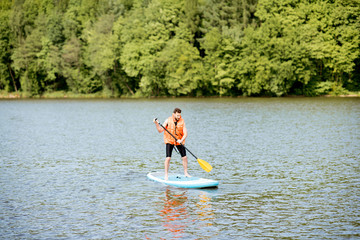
205,165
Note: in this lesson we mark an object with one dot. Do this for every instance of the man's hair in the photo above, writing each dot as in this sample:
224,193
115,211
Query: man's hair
177,110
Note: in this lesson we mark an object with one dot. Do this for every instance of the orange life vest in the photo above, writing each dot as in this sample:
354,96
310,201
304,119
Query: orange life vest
176,130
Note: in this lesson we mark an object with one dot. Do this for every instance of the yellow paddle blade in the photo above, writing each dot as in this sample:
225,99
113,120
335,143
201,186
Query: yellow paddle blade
206,166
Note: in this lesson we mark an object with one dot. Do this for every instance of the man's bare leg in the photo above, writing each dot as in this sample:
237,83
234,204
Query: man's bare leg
167,164
185,165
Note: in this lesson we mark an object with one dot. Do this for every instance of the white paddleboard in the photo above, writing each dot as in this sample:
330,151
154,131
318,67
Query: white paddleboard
179,180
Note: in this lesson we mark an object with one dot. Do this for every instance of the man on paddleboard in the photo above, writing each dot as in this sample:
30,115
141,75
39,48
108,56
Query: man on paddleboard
175,124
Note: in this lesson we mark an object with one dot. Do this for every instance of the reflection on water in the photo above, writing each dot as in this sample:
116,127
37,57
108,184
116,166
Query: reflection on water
175,212
205,212
179,210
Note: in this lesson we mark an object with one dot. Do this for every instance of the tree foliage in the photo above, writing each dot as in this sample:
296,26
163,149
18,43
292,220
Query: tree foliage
180,47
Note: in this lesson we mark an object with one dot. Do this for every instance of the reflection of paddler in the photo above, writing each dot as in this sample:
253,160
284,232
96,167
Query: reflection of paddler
205,211
174,212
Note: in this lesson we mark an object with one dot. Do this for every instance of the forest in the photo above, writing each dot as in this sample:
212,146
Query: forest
152,48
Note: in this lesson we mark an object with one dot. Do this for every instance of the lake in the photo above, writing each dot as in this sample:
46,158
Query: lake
76,169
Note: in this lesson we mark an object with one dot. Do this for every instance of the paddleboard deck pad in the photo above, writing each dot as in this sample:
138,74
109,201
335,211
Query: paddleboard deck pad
179,180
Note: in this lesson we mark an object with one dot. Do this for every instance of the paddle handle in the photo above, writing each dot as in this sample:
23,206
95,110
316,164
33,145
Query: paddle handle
174,137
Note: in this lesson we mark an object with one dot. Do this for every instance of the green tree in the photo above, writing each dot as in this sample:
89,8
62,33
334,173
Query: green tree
145,35
183,68
220,51
25,63
323,36
180,48
270,59
7,78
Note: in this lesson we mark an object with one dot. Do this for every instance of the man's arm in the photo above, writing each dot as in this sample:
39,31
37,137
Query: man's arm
158,127
185,134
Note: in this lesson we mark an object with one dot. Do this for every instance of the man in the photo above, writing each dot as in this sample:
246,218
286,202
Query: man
175,124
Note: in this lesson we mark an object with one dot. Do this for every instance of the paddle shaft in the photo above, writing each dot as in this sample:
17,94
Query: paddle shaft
175,138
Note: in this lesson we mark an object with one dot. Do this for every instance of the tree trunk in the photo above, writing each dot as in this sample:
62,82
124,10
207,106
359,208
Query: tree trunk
12,77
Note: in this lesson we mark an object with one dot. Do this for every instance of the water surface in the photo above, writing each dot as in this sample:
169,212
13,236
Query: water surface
76,169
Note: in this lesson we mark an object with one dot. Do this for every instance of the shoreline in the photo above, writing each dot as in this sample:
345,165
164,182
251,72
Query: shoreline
69,95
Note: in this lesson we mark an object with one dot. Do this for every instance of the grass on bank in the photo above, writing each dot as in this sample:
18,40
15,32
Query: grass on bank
55,95
104,95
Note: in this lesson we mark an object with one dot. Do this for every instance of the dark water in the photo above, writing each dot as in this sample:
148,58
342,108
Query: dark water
76,169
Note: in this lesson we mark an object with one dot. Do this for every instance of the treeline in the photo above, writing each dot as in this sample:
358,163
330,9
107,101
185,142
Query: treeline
180,47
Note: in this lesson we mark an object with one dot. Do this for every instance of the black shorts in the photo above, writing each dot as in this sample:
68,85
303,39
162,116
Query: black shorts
170,147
